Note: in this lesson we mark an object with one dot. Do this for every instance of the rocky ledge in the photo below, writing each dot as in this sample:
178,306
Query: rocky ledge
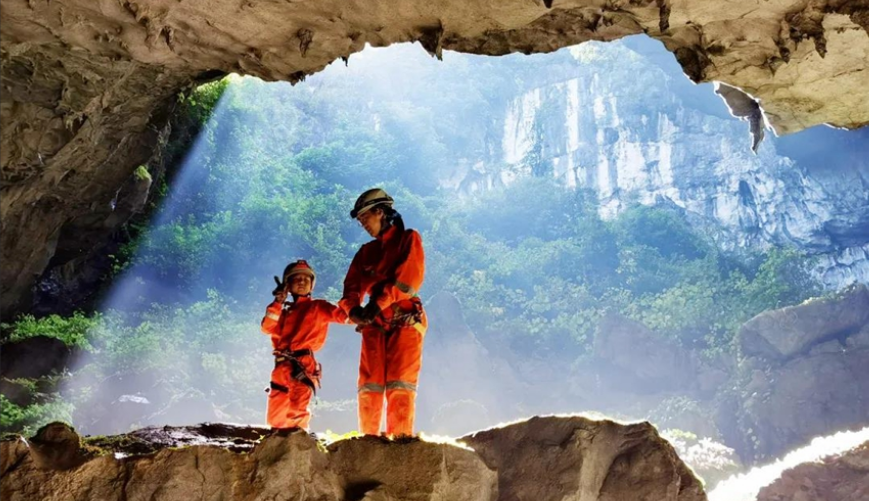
539,459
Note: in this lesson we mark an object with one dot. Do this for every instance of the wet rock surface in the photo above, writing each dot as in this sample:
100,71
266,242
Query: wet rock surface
87,91
544,458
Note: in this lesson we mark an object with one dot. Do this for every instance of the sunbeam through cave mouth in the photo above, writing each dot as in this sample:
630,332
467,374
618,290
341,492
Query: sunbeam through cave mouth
600,239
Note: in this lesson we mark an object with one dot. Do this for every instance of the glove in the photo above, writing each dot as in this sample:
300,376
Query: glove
356,315
280,292
370,312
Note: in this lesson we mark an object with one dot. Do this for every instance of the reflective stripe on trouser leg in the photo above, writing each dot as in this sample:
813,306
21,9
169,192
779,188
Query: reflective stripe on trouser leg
403,363
372,381
370,412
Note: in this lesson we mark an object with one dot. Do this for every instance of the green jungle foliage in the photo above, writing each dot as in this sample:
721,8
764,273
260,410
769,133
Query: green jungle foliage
72,330
27,419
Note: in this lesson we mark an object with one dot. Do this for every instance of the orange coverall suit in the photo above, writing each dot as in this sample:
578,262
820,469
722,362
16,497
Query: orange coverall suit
390,270
299,329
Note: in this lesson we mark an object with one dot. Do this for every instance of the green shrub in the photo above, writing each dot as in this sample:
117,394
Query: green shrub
26,420
74,331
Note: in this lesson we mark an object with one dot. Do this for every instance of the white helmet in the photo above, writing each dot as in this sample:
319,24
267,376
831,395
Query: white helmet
369,200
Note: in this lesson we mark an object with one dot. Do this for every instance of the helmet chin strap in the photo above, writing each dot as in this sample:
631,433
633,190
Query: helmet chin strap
297,296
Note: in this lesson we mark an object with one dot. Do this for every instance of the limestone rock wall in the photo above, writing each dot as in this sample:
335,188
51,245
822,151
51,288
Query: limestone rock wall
669,148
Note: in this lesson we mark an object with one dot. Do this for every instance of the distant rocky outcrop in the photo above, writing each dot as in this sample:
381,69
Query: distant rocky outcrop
632,356
548,458
454,356
784,334
805,374
29,367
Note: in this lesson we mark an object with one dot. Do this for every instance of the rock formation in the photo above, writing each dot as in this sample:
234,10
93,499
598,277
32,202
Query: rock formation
805,374
557,458
793,331
677,148
87,87
836,478
540,459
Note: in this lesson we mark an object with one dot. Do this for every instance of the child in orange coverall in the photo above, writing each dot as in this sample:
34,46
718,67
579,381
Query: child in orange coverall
298,329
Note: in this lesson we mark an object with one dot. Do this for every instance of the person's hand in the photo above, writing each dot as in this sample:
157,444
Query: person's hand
356,315
370,312
280,292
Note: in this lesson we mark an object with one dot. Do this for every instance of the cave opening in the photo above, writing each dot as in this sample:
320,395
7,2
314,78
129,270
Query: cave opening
582,212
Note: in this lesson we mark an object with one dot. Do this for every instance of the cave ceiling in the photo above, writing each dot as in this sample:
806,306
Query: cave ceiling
88,85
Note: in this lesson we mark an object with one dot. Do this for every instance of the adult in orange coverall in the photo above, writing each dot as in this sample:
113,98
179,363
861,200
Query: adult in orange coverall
298,329
390,270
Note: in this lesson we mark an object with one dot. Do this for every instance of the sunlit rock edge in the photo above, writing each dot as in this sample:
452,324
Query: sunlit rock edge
542,457
831,468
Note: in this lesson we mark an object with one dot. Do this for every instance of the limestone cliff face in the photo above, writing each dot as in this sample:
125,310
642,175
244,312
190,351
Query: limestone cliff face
674,146
86,85
539,459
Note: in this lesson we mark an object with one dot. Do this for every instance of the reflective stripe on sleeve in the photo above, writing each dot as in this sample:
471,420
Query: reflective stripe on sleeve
403,287
273,316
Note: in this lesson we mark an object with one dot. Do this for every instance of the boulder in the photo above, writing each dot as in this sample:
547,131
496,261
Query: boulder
638,358
56,446
579,458
788,332
806,374
836,478
819,394
829,468
34,357
374,468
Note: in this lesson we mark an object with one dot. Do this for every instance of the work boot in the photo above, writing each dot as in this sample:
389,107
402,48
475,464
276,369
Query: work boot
285,432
